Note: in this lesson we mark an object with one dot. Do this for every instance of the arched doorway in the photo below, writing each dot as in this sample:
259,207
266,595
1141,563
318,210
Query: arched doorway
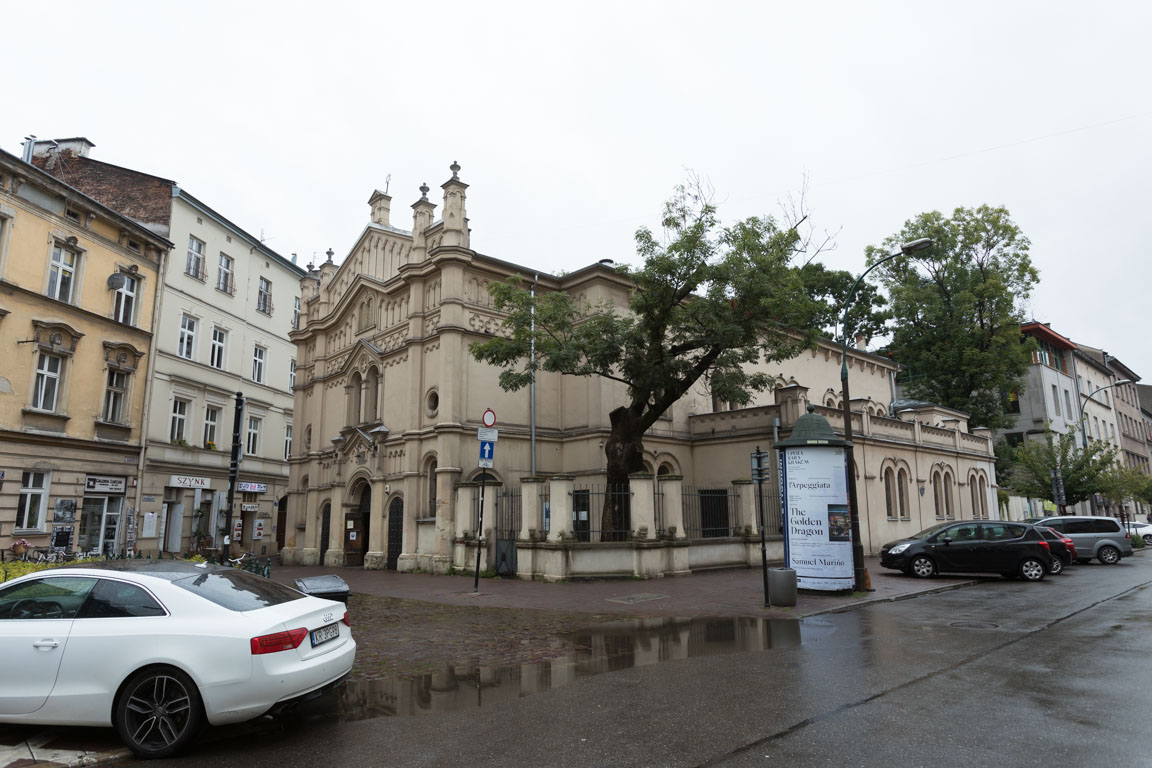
356,528
325,530
395,532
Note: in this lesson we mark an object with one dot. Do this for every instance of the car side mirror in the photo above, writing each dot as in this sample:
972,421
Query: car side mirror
947,539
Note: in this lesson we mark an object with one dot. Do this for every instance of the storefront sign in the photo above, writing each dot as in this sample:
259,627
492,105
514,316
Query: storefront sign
184,481
237,529
817,527
105,483
250,507
257,529
252,487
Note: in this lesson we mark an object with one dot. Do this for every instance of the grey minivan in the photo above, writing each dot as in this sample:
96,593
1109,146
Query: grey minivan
1102,538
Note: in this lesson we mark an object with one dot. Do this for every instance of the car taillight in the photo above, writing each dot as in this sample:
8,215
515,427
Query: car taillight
346,620
1045,545
278,641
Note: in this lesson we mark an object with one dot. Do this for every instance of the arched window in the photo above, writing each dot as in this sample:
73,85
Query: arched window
937,495
371,394
431,479
354,387
308,438
948,495
889,493
974,490
902,493
983,499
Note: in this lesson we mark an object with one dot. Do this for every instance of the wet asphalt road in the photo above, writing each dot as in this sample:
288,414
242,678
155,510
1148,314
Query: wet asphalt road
1002,673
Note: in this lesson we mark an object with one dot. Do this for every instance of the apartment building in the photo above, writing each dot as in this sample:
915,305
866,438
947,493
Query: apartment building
228,303
78,298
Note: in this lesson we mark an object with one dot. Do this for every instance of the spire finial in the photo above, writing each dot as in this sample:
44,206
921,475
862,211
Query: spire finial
330,253
424,191
455,168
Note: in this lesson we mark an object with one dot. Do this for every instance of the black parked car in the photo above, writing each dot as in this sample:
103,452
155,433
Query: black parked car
1010,549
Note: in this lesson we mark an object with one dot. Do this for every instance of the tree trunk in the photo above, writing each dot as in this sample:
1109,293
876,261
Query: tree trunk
624,452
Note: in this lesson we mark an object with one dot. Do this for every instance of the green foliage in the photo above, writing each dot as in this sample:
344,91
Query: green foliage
957,308
1121,483
1137,541
708,301
1084,470
829,288
12,569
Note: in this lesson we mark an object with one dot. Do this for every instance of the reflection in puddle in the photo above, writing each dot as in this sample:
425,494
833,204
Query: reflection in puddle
606,648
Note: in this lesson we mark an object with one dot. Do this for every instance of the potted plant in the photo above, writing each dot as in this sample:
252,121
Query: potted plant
19,546
210,445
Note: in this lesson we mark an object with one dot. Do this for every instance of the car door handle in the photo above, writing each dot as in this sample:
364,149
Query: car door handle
46,644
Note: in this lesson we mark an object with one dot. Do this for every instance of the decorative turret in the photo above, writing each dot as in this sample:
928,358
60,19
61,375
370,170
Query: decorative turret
423,211
381,205
455,214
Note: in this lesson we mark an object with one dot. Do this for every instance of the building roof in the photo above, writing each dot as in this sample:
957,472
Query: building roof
1044,332
48,179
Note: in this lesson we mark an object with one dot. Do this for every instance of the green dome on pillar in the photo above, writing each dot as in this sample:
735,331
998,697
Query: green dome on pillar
812,429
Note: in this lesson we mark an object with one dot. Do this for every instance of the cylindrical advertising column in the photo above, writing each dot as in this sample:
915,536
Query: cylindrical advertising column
814,503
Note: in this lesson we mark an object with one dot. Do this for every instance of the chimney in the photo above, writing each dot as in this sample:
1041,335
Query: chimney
78,146
861,342
381,205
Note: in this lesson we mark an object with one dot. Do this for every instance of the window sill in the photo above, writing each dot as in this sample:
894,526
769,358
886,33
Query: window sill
425,520
28,532
203,277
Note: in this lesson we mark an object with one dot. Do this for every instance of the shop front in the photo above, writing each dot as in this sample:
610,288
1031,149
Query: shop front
102,525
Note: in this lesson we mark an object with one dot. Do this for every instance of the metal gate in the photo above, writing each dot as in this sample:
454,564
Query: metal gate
507,530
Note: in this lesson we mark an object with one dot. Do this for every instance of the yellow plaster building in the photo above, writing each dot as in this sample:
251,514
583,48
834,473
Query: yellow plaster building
78,287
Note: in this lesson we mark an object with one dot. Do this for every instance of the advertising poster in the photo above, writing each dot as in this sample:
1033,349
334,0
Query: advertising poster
818,534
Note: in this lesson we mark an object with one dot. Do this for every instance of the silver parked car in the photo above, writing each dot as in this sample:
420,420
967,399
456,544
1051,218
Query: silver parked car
1099,538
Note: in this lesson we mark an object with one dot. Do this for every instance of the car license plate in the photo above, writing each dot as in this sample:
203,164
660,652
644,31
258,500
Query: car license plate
324,634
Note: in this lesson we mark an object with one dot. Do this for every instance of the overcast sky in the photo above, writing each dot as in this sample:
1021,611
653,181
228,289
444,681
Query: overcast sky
573,124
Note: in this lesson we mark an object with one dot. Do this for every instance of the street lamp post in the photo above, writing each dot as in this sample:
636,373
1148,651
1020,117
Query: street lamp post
859,573
1084,426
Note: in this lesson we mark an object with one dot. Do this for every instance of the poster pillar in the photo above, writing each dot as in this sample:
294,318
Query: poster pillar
814,505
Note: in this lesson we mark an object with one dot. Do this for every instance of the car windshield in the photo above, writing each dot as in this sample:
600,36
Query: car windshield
237,590
929,531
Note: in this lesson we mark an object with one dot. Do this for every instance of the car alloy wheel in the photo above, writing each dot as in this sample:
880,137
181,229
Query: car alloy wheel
1148,539
1057,566
923,567
1032,570
1109,555
158,712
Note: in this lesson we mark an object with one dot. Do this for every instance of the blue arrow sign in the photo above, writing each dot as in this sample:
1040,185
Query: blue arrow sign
486,449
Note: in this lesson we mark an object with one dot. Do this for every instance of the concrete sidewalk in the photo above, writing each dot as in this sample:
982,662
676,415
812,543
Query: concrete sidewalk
733,592
730,593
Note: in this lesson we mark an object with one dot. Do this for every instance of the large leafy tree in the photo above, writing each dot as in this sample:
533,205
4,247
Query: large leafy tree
1085,471
867,315
957,309
707,302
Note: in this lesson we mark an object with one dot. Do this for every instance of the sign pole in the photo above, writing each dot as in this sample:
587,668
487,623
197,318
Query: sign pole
479,533
760,506
233,473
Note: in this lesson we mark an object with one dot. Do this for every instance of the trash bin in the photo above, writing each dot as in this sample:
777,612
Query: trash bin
329,587
782,586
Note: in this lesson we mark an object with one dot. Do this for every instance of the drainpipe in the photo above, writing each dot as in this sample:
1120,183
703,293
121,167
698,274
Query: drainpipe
145,421
532,386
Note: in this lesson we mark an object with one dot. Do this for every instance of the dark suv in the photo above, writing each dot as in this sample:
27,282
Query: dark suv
1010,549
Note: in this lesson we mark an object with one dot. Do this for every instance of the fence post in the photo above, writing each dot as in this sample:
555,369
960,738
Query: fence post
530,513
672,486
560,500
745,491
642,485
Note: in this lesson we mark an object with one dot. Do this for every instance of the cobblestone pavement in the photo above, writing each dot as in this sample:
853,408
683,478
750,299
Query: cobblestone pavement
412,624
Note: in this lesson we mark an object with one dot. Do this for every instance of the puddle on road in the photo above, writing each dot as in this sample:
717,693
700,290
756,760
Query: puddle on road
605,648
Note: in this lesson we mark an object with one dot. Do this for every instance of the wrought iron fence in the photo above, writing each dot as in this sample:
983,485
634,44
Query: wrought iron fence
602,513
508,515
710,513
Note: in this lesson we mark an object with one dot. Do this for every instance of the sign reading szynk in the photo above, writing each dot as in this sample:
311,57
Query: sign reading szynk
818,533
183,481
